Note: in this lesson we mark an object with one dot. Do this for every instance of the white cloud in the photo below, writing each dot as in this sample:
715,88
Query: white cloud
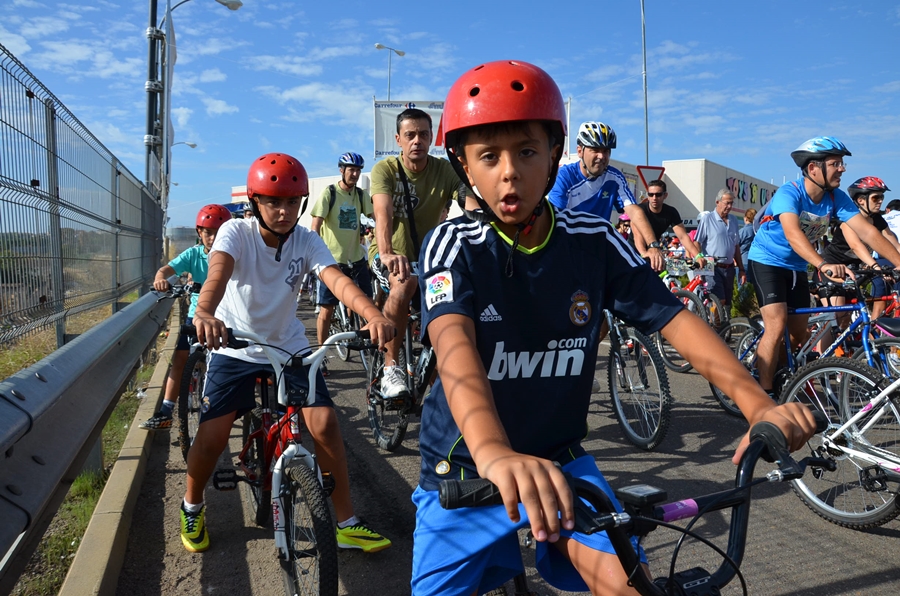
317,102
212,75
287,64
26,4
218,107
44,26
182,116
14,42
891,87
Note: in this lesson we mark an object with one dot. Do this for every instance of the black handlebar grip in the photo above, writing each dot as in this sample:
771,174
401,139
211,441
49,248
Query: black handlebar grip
478,492
773,436
233,342
363,334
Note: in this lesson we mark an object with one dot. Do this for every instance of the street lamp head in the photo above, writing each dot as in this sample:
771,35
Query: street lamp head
231,4
400,52
378,46
191,145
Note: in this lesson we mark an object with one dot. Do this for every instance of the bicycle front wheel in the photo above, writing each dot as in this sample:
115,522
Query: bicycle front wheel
259,499
387,418
190,399
639,388
716,312
312,566
858,494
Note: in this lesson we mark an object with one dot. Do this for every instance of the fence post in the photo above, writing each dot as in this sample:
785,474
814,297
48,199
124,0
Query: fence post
58,289
114,220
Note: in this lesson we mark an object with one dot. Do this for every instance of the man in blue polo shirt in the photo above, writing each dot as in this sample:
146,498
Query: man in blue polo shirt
593,186
718,238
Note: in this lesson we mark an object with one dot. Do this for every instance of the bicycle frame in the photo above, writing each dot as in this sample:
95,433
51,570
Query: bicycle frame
282,436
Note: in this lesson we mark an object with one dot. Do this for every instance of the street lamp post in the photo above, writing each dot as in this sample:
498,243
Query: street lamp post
379,46
154,86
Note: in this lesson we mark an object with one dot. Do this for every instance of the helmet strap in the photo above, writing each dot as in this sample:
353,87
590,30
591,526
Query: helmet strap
824,186
522,228
282,238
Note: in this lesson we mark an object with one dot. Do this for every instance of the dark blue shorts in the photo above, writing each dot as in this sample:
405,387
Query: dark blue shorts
459,551
228,389
358,272
183,343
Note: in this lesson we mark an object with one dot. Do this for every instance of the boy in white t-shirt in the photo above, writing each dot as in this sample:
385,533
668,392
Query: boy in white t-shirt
255,269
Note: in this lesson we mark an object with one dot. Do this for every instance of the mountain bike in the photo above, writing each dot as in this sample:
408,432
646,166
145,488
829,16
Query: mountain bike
644,511
862,438
638,385
881,356
389,417
283,476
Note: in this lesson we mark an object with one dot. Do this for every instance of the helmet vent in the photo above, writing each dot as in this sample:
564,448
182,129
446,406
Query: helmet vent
474,91
517,86
273,178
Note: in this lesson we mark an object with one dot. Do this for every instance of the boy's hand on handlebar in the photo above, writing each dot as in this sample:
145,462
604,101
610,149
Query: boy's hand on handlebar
210,331
381,331
794,420
539,485
161,285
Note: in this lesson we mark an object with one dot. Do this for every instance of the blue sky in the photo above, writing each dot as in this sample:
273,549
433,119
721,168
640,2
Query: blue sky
739,83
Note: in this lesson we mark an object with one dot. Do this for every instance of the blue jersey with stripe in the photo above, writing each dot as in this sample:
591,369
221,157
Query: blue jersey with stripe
537,332
572,190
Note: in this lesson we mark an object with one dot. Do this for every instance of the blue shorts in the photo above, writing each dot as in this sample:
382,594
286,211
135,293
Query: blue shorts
183,343
228,388
456,552
358,272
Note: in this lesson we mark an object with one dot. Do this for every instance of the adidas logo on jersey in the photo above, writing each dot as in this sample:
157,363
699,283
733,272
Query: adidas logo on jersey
490,314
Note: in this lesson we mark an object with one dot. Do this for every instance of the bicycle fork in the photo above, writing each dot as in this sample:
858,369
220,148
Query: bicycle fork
280,490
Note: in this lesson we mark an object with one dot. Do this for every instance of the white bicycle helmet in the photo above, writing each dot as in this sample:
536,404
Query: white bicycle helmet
596,134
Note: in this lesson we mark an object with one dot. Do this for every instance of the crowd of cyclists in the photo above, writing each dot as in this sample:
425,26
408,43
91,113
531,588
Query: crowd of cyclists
533,260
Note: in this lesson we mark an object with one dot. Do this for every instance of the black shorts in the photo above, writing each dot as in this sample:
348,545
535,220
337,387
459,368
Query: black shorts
776,285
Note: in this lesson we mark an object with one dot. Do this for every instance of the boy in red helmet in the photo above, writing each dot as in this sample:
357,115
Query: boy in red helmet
255,269
194,262
512,304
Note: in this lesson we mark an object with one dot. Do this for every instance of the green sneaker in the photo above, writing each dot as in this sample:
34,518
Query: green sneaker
193,530
361,537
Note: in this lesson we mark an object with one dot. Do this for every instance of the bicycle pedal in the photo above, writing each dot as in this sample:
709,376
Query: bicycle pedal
327,483
873,479
226,480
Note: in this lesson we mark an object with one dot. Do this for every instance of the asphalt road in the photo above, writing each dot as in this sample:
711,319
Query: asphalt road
790,550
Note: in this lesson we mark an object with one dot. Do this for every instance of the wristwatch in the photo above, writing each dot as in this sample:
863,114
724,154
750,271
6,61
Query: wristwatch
655,245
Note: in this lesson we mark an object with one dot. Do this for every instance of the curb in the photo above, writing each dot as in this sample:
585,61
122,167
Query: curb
98,561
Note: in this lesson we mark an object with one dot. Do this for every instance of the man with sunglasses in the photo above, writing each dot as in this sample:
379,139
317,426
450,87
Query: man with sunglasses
661,217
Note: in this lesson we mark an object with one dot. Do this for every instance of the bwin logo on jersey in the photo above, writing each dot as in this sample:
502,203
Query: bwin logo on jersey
563,358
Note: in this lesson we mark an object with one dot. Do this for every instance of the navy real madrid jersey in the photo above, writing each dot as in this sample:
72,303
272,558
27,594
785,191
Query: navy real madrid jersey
537,332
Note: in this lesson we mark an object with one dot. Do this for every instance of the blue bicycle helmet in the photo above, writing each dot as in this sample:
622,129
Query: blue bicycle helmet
351,159
817,149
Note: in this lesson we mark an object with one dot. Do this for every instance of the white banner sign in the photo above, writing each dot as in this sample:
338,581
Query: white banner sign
386,113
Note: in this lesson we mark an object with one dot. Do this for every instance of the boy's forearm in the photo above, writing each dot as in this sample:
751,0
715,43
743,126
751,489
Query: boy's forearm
706,351
221,266
165,272
347,292
467,389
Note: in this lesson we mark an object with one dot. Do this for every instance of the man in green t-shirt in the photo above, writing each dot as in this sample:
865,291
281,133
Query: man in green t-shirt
414,183
335,217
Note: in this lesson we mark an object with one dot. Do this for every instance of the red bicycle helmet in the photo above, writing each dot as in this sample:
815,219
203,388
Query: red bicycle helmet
503,91
866,185
213,216
277,175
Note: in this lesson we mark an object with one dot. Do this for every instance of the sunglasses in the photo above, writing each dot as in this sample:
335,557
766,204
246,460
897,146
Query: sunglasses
655,194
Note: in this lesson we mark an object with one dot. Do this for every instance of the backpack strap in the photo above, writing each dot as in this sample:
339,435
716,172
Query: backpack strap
333,192
409,208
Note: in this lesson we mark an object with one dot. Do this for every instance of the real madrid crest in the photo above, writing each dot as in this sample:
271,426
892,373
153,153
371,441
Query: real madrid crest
580,311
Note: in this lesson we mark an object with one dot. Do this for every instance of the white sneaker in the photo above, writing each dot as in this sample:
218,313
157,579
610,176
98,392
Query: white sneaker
595,386
393,382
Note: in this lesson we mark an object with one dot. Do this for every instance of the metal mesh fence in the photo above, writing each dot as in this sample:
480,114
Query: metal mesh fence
77,229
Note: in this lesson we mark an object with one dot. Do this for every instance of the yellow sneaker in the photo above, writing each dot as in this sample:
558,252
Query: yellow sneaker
193,530
361,537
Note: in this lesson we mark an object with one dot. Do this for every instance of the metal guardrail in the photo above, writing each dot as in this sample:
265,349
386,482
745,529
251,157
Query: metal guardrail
51,414
77,229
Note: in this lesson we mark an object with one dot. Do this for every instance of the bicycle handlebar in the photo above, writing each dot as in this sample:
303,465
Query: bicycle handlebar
766,442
